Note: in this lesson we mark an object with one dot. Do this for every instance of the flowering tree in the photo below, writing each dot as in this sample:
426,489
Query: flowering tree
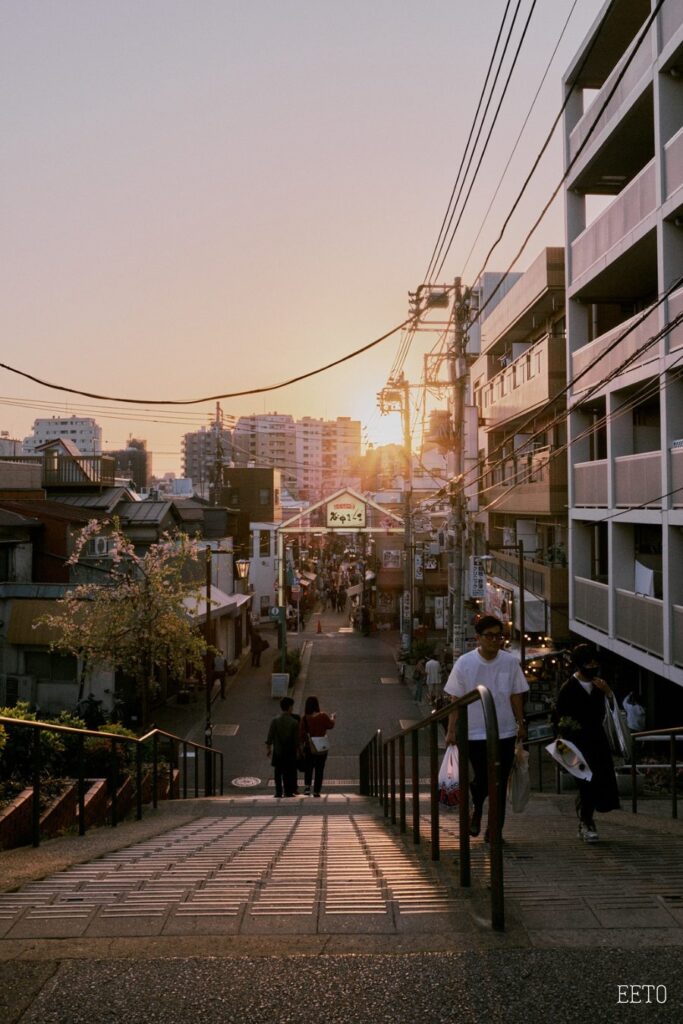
135,619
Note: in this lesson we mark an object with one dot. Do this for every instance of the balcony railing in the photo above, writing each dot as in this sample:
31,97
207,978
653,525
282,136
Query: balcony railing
638,480
71,471
639,621
677,635
671,19
673,163
675,307
633,341
590,484
545,273
641,65
534,482
591,603
677,477
624,213
532,379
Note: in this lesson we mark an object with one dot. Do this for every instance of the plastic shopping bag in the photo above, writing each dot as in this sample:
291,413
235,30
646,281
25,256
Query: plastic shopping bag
449,778
520,784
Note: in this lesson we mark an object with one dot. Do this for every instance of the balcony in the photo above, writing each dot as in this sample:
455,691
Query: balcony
671,19
591,603
82,471
676,307
637,337
677,477
673,163
534,483
545,580
590,484
532,298
639,621
638,480
533,379
640,67
629,208
677,635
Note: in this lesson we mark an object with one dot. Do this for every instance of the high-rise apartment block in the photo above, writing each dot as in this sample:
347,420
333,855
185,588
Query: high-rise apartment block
623,131
82,431
206,454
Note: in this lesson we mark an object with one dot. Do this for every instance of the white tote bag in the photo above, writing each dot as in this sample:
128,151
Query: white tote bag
449,778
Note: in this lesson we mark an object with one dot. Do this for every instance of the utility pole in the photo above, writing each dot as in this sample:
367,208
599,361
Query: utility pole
395,397
457,372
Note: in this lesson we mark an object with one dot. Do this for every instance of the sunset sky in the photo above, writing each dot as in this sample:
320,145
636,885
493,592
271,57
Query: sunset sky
210,196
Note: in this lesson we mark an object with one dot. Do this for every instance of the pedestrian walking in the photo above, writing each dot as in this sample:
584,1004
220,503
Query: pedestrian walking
313,740
501,674
282,744
433,679
635,713
579,716
258,645
220,672
419,678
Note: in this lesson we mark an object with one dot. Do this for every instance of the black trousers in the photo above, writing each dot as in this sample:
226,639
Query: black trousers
479,785
284,769
314,770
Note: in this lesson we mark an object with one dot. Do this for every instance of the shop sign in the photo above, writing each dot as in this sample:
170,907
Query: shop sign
345,511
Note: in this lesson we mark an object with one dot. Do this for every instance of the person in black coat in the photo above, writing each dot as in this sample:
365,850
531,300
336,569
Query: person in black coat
581,707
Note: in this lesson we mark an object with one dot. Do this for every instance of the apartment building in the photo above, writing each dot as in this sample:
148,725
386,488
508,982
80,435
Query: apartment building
518,385
314,455
83,431
623,137
205,453
268,441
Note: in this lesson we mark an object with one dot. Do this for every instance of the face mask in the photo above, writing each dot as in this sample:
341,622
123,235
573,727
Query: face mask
590,672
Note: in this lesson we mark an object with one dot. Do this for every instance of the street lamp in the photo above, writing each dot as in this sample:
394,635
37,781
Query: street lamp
242,566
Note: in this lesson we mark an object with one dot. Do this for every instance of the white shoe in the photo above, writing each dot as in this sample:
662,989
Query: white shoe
588,833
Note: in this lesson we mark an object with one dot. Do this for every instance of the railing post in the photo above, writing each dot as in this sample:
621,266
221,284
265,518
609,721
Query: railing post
220,756
171,768
380,767
434,787
634,795
81,787
415,771
196,771
402,782
363,787
184,770
494,822
155,770
138,781
392,776
385,778
464,809
539,748
674,793
114,784
37,765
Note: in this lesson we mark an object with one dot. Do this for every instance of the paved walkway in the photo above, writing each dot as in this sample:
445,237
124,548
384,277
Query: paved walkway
321,908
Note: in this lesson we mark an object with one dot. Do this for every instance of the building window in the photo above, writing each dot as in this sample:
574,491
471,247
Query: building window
264,544
264,496
49,665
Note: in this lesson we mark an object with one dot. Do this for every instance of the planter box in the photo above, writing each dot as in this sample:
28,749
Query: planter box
624,782
16,821
62,814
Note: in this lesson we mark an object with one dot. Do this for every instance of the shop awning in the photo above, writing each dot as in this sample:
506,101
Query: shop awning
222,605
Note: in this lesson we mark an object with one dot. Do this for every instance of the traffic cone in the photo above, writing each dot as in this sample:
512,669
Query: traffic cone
320,628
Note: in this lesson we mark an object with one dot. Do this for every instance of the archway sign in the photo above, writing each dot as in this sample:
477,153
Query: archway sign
345,511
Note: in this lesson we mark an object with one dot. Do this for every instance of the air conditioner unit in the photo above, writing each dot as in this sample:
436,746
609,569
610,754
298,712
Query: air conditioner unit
101,546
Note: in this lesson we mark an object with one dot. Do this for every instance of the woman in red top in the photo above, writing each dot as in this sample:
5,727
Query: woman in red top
314,724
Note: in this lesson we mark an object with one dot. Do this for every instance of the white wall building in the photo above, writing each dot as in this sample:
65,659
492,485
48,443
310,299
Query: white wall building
624,214
83,431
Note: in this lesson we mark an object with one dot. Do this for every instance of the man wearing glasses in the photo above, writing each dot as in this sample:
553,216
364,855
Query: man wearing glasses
499,672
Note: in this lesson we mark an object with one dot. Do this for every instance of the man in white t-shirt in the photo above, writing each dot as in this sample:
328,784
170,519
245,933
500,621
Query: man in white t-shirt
433,679
499,672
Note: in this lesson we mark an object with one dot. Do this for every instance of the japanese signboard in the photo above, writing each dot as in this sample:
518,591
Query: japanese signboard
391,559
477,577
345,511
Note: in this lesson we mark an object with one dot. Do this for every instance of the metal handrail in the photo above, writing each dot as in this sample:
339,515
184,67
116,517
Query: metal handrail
672,733
378,779
138,741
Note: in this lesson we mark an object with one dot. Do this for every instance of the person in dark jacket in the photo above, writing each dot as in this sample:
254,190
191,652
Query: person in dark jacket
580,712
281,746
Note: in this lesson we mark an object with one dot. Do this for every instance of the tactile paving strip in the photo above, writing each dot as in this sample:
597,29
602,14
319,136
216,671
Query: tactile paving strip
215,871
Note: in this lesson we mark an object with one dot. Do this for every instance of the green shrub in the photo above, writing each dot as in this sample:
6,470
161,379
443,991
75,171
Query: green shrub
98,753
16,753
293,664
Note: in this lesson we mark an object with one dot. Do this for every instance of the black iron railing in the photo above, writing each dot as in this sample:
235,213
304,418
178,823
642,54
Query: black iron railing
153,738
380,778
673,766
